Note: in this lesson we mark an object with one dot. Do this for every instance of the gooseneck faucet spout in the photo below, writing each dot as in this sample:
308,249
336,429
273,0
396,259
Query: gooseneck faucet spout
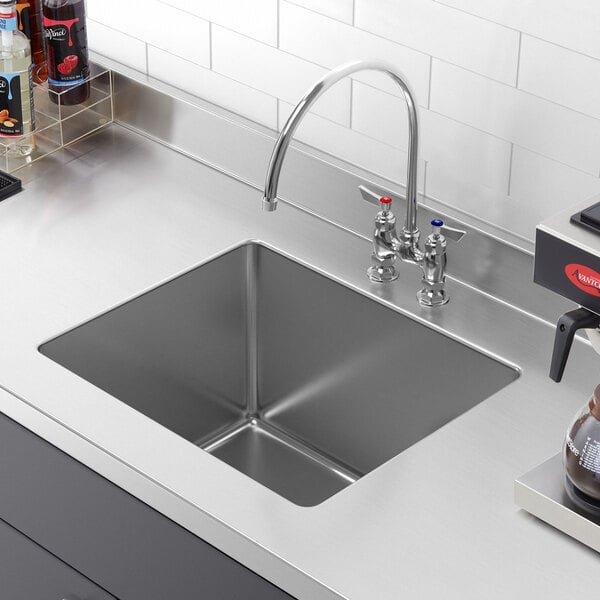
410,234
388,245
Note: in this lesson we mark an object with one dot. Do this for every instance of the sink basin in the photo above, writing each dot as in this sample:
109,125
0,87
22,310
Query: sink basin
286,375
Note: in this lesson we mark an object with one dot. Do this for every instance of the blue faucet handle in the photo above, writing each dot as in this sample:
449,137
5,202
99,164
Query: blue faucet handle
451,233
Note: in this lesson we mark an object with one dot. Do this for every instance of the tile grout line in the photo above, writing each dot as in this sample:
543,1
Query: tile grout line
475,16
277,113
147,57
278,21
430,78
562,46
351,103
510,168
353,13
210,46
527,33
519,59
498,82
316,12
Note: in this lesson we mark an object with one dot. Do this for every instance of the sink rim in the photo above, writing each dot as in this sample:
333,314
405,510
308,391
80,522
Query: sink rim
368,293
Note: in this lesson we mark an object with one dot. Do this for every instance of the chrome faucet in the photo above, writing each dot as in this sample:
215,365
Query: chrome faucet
387,245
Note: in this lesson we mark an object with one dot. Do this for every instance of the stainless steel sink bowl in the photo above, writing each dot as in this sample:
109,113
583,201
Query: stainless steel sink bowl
286,375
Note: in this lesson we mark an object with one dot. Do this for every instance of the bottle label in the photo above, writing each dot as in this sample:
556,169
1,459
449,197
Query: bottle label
11,110
24,18
66,42
8,22
589,455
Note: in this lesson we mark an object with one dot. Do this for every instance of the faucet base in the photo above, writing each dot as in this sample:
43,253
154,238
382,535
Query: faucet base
382,273
432,295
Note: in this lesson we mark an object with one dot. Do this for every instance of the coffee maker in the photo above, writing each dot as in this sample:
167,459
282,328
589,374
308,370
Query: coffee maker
567,261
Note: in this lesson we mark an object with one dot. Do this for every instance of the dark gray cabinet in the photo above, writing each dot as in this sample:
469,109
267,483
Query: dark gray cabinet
118,542
28,572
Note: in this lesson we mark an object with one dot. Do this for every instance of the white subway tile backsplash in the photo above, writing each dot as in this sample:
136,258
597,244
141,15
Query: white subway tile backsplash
471,154
485,204
546,185
517,116
353,147
444,32
342,10
541,187
255,18
331,43
561,75
213,87
276,73
574,24
509,89
185,35
116,45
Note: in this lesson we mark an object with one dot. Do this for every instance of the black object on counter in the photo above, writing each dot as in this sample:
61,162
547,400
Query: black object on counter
9,185
588,218
568,324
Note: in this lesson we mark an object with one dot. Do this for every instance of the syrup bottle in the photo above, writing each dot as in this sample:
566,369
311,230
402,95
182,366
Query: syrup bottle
16,95
29,15
66,50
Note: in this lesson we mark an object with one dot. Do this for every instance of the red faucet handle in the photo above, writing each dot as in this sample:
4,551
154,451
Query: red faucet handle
386,204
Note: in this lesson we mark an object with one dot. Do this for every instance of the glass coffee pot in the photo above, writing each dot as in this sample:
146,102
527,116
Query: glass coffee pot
581,448
581,457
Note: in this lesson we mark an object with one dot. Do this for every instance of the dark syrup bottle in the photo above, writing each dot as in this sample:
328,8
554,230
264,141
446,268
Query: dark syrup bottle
29,13
66,50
